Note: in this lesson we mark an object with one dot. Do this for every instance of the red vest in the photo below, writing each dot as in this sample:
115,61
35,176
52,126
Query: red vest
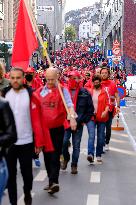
52,109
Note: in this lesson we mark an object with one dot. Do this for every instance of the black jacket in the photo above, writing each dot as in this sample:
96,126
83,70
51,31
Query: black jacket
84,107
7,89
8,134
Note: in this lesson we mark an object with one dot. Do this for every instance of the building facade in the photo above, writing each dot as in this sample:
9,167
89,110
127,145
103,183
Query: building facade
50,13
118,22
6,23
111,23
85,30
15,11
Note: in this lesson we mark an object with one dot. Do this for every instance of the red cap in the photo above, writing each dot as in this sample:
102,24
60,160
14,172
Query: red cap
30,70
74,73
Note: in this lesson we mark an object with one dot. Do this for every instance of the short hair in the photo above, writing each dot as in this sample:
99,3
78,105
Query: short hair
18,69
96,77
105,68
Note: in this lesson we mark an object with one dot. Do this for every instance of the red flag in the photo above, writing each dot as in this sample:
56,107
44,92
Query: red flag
25,42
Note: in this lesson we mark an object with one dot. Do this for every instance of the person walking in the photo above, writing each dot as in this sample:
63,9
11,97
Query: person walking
101,105
8,136
84,108
111,88
18,97
49,114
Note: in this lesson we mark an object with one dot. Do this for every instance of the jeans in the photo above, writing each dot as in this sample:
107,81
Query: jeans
108,128
3,177
76,141
100,137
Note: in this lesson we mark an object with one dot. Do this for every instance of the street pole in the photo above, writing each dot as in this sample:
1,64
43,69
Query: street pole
55,30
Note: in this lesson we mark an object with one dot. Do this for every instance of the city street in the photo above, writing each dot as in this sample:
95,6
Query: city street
111,183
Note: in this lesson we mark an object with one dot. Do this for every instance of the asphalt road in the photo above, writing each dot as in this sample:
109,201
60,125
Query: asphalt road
112,183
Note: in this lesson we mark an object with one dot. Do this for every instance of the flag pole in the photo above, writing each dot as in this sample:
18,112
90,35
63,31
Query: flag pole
32,18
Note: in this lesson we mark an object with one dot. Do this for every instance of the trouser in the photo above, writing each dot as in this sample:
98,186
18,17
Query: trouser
76,141
52,159
100,137
3,177
23,153
108,128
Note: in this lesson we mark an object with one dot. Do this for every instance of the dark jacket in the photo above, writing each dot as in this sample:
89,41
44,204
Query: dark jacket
7,89
84,107
8,134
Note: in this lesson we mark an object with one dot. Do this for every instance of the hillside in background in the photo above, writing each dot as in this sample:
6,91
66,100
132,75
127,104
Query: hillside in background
75,17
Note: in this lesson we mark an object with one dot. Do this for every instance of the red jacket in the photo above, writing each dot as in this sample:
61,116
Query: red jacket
103,102
111,88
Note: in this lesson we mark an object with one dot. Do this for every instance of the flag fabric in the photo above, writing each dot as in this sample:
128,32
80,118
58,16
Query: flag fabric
25,41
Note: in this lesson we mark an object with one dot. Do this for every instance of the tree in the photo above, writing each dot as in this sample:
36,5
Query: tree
70,33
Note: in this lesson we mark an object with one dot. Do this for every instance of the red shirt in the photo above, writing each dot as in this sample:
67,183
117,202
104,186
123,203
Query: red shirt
111,88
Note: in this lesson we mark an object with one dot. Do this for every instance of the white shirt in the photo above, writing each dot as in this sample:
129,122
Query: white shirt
95,96
20,105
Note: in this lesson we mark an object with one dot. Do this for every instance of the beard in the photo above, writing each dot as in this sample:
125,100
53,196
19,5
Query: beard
17,87
97,86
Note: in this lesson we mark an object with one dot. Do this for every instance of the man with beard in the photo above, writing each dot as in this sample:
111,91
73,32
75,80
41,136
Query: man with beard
101,106
18,97
111,88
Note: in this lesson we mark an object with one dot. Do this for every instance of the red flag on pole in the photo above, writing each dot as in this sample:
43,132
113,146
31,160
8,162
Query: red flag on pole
25,41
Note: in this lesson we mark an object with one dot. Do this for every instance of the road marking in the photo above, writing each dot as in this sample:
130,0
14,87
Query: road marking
132,140
21,199
41,176
95,177
92,200
119,141
120,134
132,153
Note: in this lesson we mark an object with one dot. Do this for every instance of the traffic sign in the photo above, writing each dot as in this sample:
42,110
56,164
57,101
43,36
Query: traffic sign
110,62
109,53
116,51
116,43
116,58
121,91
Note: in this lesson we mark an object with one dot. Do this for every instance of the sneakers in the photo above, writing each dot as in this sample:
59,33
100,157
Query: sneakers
64,165
53,189
74,170
37,162
99,160
107,147
90,158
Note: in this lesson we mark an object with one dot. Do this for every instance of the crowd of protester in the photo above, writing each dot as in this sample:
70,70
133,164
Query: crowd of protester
34,117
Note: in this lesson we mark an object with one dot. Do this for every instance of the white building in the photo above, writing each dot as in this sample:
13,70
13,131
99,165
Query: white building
88,30
85,30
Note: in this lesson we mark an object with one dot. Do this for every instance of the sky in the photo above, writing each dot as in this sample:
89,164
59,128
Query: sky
77,4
